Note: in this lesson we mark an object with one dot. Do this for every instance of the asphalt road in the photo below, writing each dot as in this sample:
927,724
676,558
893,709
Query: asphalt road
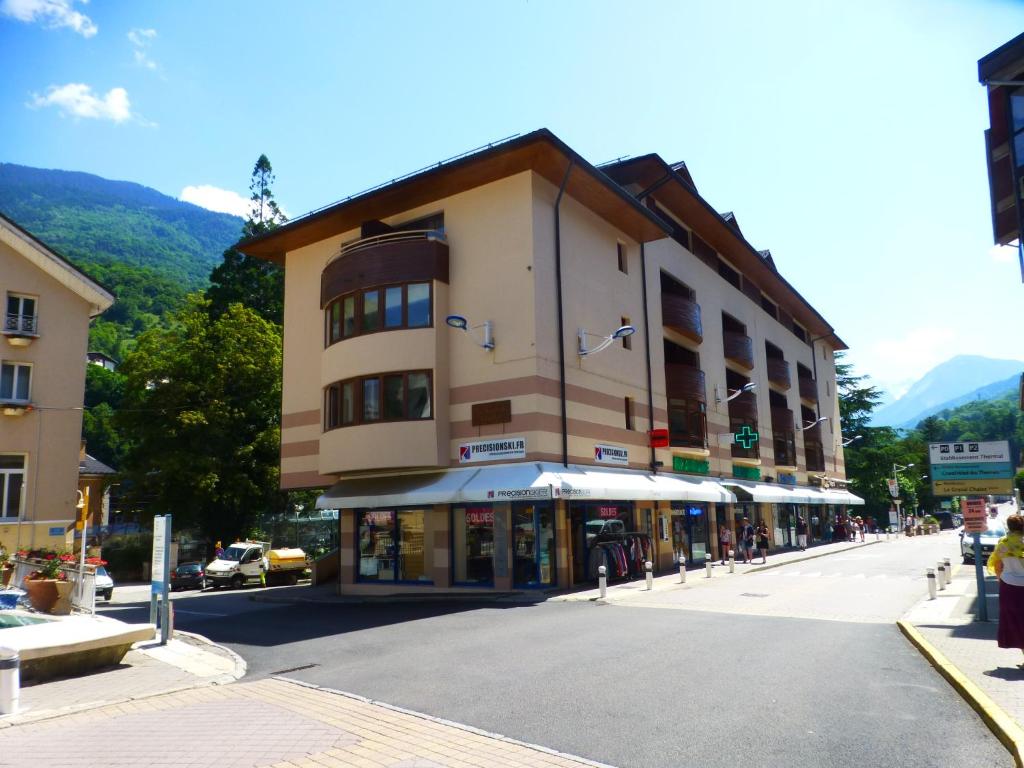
631,685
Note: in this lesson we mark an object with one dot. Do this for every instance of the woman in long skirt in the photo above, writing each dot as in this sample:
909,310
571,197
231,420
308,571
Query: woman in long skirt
1007,562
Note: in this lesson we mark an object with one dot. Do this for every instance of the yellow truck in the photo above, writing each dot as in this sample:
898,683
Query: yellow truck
244,561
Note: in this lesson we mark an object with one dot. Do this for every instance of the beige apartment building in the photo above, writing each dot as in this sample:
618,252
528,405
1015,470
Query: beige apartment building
513,367
47,307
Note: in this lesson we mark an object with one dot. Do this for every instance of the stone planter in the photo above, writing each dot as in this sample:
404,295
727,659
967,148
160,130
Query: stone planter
5,575
49,595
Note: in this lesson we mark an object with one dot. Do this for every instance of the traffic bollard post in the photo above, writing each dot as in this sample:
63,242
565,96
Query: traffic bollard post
682,569
940,577
931,584
10,681
949,570
707,566
878,535
602,580
648,566
886,534
732,561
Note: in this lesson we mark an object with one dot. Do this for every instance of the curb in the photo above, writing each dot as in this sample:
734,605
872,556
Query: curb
489,597
1000,723
241,665
449,723
810,557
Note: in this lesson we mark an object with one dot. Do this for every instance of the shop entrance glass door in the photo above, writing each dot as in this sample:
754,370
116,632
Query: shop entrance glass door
690,533
533,532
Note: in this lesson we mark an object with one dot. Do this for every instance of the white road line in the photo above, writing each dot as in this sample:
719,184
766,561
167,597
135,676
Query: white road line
199,613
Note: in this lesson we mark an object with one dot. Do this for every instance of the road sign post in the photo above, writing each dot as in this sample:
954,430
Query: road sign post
159,605
975,523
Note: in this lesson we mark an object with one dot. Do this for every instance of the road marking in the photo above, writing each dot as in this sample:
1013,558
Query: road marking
199,613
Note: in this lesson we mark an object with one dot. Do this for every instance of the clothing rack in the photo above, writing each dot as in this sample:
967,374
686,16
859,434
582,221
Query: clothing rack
622,554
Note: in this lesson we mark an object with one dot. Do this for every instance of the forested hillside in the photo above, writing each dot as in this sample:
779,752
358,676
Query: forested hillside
148,248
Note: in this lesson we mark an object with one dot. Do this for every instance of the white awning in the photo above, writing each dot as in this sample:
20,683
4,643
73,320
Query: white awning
519,482
835,496
769,494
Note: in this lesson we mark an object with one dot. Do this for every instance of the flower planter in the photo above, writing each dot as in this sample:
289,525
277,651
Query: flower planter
49,595
5,575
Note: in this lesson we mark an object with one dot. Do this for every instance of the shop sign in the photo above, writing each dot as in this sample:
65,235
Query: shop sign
659,438
607,512
787,479
496,412
611,454
522,493
480,516
745,437
57,530
379,517
575,493
894,488
746,473
493,450
991,452
692,466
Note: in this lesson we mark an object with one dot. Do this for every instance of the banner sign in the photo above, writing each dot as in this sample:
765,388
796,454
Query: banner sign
608,512
480,516
975,516
894,488
692,466
493,450
547,492
383,517
611,454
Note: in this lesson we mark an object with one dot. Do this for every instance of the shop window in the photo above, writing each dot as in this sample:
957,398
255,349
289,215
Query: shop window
473,544
391,545
400,396
390,308
15,382
533,545
12,480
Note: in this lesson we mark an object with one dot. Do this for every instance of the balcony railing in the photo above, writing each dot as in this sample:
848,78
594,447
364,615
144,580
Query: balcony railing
782,420
744,407
21,325
685,382
815,456
389,238
808,389
682,315
778,372
739,349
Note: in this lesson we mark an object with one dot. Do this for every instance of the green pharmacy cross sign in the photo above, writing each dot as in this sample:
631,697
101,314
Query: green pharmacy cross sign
746,437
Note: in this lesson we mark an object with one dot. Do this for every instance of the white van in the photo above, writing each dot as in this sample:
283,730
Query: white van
240,564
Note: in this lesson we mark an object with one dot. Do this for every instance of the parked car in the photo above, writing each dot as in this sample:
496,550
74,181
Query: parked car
995,531
945,519
104,583
188,576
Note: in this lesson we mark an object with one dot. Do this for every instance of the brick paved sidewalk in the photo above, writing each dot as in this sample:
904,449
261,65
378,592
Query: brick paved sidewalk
949,624
274,723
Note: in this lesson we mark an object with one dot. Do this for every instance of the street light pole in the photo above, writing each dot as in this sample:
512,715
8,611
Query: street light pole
896,485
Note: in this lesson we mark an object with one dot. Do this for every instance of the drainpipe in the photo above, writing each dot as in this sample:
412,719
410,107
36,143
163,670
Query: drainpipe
561,324
647,350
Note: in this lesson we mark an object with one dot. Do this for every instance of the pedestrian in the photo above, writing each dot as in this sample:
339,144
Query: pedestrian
801,532
1007,562
747,536
762,541
725,541
839,534
218,550
860,527
264,567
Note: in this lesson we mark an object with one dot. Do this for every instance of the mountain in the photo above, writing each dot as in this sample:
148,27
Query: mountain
995,391
957,377
149,249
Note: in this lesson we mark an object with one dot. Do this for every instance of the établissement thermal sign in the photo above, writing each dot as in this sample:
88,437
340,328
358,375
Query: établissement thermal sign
611,454
493,450
971,468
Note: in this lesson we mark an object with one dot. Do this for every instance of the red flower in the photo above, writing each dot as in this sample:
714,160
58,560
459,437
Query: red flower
49,556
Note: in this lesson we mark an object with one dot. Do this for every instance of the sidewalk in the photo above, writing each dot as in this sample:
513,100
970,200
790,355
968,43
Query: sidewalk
187,661
275,722
965,652
618,590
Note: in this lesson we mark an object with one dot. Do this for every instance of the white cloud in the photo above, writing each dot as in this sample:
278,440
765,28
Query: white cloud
141,40
1006,254
217,199
79,100
54,13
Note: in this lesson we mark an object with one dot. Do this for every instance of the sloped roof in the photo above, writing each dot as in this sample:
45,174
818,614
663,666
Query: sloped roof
55,265
93,466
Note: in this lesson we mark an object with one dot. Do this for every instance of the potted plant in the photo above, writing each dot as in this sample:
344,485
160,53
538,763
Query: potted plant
48,588
6,566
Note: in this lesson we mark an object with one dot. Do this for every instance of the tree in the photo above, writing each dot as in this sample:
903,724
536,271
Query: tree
200,412
856,400
255,283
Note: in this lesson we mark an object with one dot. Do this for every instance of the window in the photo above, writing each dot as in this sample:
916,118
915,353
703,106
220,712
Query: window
21,314
627,341
769,306
399,396
628,405
731,275
12,480
379,309
391,545
473,550
687,423
799,332
15,382
623,261
784,442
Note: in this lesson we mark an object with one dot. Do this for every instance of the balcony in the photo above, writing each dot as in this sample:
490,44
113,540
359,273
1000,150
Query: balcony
744,408
782,420
684,382
20,330
808,389
778,372
682,315
815,455
395,257
739,348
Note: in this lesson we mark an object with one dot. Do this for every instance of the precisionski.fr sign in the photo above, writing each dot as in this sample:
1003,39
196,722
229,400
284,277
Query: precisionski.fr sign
611,454
493,450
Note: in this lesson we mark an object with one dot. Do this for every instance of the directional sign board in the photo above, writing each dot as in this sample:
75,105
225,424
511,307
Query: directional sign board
975,516
971,468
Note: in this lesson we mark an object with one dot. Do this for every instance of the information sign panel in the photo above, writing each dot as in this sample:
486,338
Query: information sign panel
971,468
975,516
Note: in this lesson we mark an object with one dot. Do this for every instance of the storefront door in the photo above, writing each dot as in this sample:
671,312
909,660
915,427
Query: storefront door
785,525
690,533
533,544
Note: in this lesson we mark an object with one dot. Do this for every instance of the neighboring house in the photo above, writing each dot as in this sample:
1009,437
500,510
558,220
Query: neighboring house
499,457
97,477
1002,73
102,360
48,306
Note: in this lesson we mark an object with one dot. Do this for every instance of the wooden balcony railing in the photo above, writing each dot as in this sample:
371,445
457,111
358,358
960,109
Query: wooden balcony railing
744,407
815,454
778,372
684,381
782,420
682,315
739,349
808,389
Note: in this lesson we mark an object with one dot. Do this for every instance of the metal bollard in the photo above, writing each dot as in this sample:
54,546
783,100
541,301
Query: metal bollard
949,571
682,569
602,580
941,576
707,566
10,681
732,561
886,534
878,535
650,575
931,584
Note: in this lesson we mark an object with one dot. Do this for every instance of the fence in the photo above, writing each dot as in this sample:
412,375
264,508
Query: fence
83,591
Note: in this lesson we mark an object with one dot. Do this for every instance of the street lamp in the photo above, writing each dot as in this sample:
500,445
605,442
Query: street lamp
852,439
298,508
460,323
619,333
810,424
896,486
732,394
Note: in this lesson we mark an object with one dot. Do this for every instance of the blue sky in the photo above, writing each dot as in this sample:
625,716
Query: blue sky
847,137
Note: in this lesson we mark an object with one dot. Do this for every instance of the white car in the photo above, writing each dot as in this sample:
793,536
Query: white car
995,531
104,584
